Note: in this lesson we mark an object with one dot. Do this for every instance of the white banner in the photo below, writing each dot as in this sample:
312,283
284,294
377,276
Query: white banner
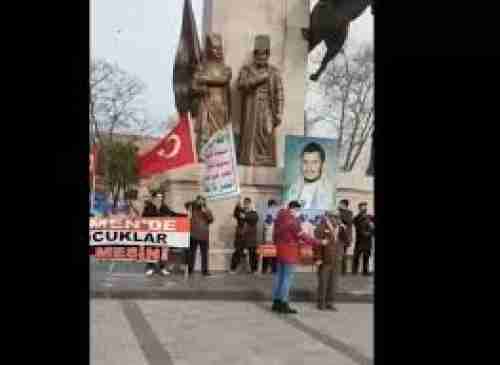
129,238
219,178
123,231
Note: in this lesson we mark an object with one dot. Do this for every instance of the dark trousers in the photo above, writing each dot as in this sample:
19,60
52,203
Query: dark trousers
156,266
327,283
344,264
355,262
269,261
193,247
343,260
239,253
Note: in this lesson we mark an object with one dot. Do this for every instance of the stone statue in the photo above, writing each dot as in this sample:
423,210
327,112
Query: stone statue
261,87
211,83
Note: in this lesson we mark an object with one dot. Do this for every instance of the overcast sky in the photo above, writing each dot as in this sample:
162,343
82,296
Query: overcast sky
142,35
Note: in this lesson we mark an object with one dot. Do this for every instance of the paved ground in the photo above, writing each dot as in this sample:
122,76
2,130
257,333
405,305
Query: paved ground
127,281
198,332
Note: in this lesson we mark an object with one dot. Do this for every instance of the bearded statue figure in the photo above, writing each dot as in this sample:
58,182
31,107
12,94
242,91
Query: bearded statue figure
261,88
211,87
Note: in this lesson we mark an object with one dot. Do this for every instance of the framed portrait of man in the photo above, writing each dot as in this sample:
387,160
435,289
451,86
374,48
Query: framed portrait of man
309,175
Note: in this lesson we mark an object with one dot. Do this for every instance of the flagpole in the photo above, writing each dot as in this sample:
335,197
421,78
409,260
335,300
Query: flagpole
93,192
193,137
92,189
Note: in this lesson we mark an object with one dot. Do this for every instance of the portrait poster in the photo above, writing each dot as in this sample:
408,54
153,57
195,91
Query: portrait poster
309,176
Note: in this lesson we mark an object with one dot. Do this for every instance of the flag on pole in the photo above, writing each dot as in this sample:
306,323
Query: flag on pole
175,150
188,57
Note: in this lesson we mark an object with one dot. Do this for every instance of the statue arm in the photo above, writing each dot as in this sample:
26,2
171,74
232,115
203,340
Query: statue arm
247,80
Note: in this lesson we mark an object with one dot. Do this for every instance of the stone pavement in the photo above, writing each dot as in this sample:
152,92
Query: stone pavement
184,332
127,281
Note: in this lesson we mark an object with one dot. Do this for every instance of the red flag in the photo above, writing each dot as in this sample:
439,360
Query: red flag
173,151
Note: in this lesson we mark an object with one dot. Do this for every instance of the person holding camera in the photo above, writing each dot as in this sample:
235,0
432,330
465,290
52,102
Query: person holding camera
201,218
246,235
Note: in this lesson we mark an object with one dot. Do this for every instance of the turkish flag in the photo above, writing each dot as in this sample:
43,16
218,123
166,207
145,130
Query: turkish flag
173,151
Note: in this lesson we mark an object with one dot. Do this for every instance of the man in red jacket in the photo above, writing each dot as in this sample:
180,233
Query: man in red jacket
287,236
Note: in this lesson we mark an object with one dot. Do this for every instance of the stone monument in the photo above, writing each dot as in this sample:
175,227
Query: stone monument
239,23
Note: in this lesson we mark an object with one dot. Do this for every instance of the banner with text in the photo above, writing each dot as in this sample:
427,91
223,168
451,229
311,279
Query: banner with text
219,178
169,232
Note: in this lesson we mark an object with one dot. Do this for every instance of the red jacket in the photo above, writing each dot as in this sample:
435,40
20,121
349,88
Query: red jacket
288,235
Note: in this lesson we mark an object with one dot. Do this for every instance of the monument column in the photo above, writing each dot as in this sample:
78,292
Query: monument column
239,22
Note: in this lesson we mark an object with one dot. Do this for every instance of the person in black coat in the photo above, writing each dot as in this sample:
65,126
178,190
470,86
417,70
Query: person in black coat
246,235
346,217
365,229
158,208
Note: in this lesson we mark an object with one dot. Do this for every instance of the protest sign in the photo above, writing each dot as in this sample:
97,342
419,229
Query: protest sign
219,178
131,253
266,250
122,231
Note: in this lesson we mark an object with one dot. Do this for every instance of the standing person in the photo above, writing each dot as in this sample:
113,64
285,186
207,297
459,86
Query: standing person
246,235
152,209
346,217
328,259
287,236
165,211
365,229
269,218
201,218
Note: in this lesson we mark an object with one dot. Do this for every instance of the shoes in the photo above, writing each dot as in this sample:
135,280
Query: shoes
332,308
276,305
207,274
149,272
320,306
165,272
286,309
232,272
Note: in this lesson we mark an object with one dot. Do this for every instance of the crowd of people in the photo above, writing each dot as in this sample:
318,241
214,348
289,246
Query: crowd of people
330,240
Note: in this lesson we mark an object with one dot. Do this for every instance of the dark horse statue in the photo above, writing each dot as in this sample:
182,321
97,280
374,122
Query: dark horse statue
330,23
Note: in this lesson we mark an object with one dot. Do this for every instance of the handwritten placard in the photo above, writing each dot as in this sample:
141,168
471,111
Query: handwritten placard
219,178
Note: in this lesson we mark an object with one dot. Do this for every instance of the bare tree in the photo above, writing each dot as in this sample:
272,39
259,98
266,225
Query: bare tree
116,103
346,91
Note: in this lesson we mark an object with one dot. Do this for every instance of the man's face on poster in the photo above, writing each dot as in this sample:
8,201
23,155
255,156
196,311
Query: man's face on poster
311,166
